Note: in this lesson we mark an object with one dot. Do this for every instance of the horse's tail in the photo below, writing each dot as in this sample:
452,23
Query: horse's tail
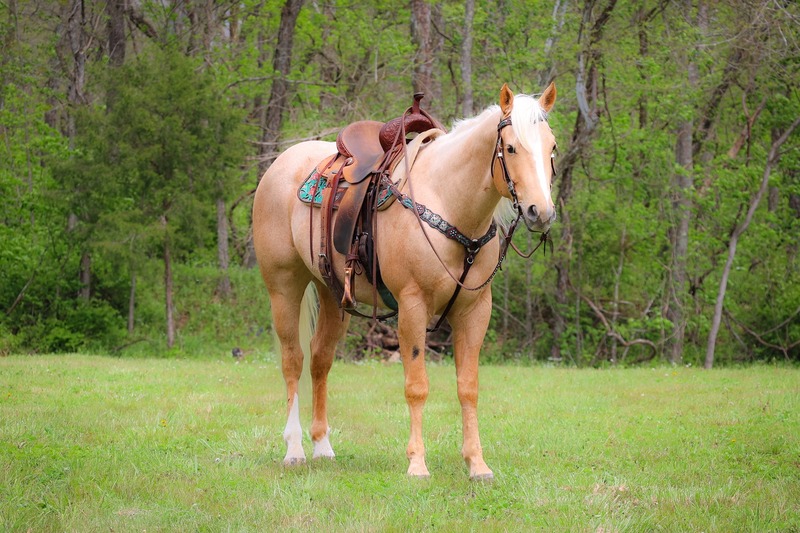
309,312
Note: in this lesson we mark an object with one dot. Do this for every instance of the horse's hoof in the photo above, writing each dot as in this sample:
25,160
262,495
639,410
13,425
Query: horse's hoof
294,461
324,457
323,449
418,471
482,478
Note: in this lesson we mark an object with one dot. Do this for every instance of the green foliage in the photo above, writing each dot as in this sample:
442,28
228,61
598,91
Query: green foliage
139,158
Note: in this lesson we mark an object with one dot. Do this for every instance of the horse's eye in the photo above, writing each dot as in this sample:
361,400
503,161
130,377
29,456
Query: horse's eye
511,149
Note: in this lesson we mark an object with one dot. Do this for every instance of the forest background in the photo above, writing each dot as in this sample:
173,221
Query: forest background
134,133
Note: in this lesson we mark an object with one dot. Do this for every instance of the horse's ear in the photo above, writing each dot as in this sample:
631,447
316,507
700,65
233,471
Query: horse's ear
548,97
506,99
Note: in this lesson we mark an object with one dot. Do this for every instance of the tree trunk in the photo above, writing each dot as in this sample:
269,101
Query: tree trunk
615,303
529,321
681,208
76,35
586,121
224,286
168,288
85,291
116,32
506,312
468,104
682,183
132,304
427,42
271,116
281,67
772,159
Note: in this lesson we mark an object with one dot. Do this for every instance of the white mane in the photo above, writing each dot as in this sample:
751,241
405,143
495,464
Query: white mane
525,114
467,123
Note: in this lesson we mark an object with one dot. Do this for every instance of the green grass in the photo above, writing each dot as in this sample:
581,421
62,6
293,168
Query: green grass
99,444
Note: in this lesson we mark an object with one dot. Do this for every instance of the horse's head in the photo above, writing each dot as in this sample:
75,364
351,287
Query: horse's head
523,168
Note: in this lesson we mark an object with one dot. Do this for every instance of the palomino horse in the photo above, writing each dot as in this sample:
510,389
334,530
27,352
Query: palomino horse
502,156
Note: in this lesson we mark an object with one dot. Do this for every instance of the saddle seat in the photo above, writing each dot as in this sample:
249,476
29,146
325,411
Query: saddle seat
360,142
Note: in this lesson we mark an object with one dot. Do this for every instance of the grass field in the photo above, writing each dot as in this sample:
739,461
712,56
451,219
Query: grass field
103,444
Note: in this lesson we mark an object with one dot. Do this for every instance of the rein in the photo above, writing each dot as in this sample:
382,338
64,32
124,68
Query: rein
471,246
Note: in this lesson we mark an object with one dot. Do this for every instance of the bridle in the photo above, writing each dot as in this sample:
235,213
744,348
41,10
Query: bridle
498,156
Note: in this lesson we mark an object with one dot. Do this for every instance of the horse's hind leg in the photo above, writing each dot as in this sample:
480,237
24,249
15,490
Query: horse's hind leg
286,300
331,326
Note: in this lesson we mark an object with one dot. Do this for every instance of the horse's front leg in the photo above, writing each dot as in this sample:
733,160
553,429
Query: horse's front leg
412,321
469,328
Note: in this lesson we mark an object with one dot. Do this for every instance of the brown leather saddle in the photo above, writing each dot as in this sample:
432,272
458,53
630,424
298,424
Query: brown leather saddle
350,181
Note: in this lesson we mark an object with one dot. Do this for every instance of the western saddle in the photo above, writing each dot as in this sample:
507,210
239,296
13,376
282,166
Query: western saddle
351,182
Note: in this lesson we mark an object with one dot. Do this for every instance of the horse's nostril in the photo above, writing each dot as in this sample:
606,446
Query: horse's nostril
533,212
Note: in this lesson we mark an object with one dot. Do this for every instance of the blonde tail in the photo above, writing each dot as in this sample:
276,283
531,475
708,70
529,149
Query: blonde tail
309,312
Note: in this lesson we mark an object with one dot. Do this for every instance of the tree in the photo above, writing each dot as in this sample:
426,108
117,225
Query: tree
428,42
772,160
589,61
168,142
271,115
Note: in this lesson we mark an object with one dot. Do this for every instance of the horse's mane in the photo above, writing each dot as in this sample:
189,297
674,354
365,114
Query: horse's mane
525,112
467,123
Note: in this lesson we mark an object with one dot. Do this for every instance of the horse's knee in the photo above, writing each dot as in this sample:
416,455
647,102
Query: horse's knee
319,429
292,366
416,391
468,391
321,365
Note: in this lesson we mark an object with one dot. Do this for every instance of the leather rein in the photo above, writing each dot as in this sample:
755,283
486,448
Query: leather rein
471,246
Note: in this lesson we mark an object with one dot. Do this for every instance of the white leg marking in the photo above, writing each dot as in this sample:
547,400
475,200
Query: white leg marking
322,447
293,435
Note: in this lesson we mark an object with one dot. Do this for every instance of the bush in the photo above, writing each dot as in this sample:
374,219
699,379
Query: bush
93,324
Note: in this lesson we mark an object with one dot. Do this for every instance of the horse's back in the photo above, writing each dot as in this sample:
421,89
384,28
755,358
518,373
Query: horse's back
275,205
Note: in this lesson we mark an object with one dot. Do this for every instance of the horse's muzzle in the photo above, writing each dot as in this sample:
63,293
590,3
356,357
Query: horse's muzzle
535,221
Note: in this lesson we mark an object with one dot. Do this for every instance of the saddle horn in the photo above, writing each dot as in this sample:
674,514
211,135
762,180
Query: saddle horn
416,120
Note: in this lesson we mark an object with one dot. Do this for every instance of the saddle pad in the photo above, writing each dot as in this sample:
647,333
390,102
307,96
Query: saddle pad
307,189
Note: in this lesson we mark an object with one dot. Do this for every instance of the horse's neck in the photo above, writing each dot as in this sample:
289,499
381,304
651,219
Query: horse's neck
458,173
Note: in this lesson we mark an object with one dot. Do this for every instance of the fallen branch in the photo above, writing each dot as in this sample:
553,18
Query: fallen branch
783,349
118,349
610,331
